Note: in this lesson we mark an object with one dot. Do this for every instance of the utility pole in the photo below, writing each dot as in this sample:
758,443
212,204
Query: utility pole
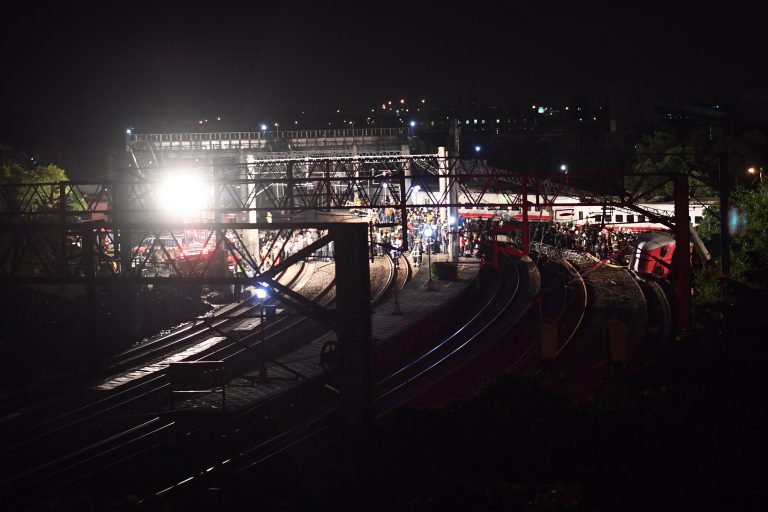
725,235
353,314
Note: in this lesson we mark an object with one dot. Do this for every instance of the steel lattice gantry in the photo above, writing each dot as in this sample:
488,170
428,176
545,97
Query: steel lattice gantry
55,231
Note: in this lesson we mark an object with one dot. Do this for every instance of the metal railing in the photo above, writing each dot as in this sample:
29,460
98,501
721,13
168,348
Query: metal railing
256,139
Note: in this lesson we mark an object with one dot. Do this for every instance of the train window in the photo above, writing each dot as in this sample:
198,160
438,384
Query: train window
664,250
598,218
607,218
581,215
630,218
697,219
619,218
641,218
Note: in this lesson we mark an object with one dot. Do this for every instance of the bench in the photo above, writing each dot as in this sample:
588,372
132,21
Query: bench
198,377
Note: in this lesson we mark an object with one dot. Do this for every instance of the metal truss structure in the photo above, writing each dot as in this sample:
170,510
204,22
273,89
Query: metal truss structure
294,190
56,232
338,183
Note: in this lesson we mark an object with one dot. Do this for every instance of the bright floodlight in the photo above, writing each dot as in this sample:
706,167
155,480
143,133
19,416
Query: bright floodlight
413,124
563,167
451,220
477,149
416,188
261,293
427,232
263,127
128,131
184,194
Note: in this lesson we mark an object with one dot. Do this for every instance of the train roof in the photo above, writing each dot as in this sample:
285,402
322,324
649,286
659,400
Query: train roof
659,237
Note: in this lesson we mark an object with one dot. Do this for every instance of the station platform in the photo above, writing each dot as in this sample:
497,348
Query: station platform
419,299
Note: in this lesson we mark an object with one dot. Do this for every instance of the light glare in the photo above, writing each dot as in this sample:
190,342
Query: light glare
183,194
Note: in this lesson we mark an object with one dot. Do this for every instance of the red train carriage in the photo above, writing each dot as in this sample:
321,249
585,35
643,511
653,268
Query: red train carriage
653,252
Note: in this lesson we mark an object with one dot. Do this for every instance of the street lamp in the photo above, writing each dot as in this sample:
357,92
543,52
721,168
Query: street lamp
756,170
396,310
261,294
428,234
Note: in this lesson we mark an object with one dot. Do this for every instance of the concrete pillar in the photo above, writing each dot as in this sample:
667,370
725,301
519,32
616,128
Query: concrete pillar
442,165
405,149
353,314
449,168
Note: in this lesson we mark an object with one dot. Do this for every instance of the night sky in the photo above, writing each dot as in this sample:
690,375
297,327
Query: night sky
74,74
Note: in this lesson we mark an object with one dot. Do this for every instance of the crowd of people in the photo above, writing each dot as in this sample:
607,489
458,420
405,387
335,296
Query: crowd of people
427,231
601,241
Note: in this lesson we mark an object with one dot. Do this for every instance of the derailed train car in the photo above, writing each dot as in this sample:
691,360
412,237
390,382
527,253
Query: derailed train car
653,253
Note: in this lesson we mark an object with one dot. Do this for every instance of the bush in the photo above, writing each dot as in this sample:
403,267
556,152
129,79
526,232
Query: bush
444,270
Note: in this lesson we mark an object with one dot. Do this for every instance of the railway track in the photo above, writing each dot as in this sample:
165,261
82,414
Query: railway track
300,422
568,301
563,300
72,443
613,297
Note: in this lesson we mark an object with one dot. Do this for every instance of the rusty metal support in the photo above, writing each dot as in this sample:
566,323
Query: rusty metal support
524,200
